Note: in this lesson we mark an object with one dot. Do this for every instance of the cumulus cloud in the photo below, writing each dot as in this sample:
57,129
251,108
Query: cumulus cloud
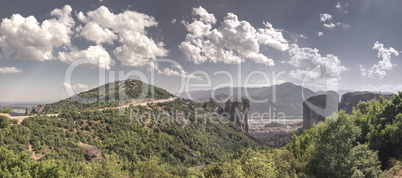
320,33
343,25
170,72
9,70
173,21
385,54
232,41
95,33
338,6
77,88
379,70
363,71
136,48
342,8
325,17
330,25
376,72
25,38
310,66
96,54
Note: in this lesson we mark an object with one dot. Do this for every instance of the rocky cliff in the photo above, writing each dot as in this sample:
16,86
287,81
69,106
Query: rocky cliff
92,153
27,111
38,109
352,99
238,110
316,108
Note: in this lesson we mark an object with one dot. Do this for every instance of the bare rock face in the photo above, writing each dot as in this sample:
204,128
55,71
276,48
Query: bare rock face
317,108
238,110
350,100
92,153
27,112
37,109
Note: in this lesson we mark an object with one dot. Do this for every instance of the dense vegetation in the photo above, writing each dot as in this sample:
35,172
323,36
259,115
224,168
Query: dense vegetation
6,110
364,144
109,96
134,141
168,140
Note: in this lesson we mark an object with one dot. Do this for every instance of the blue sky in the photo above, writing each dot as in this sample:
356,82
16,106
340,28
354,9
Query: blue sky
357,42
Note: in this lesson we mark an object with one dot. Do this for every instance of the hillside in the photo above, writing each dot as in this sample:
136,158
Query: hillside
143,133
109,96
289,97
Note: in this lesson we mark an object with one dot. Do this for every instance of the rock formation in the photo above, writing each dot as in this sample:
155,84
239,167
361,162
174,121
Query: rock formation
38,109
91,152
317,108
27,112
212,104
352,99
238,110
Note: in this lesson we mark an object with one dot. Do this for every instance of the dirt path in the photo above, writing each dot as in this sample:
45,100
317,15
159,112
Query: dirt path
141,103
4,114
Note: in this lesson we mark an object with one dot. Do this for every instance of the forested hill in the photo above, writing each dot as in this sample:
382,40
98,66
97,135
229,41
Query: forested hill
109,96
160,138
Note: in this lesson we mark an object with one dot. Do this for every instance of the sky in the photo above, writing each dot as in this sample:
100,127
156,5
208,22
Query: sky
48,47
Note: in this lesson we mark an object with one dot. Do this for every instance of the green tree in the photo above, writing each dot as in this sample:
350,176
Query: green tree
4,122
6,110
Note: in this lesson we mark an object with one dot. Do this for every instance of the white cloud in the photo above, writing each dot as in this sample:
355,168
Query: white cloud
339,24
378,71
363,71
170,72
343,25
325,17
310,65
173,21
341,8
385,54
136,48
338,6
232,41
27,39
96,54
320,33
77,88
93,32
330,25
9,70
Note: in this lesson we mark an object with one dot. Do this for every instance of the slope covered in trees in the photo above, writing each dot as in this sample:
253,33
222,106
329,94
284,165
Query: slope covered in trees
364,144
174,139
149,137
109,96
